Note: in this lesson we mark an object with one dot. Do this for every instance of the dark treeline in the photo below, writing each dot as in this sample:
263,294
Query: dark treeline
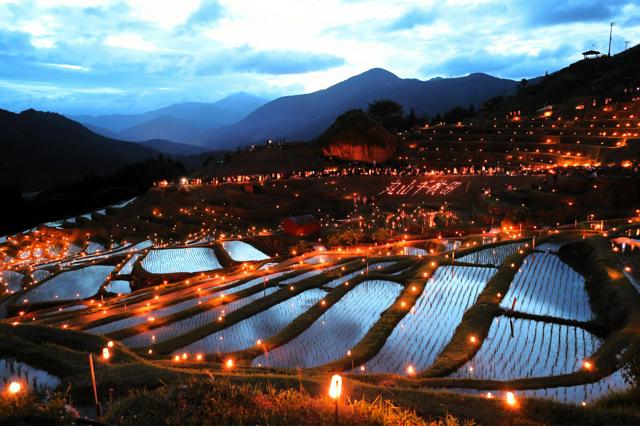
92,192
455,115
391,115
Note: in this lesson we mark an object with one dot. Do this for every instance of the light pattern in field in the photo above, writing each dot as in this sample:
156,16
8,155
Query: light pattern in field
12,370
372,268
260,326
491,256
415,251
11,280
127,268
428,327
183,326
544,285
75,284
193,259
243,252
537,349
308,274
177,307
338,330
588,393
118,287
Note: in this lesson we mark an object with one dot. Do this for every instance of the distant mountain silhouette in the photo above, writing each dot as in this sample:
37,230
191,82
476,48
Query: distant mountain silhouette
43,149
304,117
165,127
179,122
172,148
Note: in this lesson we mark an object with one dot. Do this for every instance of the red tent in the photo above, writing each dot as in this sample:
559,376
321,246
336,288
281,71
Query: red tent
301,226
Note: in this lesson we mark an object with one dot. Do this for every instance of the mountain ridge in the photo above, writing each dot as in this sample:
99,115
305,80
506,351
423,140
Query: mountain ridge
190,119
44,149
305,116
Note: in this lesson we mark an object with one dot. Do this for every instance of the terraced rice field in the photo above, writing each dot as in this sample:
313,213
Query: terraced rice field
177,307
93,247
178,328
118,287
544,285
127,268
338,330
243,252
549,247
260,326
415,251
424,332
70,285
583,393
536,349
308,274
11,281
12,370
316,260
40,275
371,268
491,256
169,261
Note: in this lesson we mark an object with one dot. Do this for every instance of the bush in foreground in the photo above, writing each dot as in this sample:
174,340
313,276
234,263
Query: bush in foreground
219,402
35,410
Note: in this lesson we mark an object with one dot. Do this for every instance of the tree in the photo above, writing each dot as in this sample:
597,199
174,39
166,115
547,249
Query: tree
523,84
388,113
412,120
382,235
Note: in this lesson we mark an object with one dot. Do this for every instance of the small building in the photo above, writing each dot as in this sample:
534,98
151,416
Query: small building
591,54
301,226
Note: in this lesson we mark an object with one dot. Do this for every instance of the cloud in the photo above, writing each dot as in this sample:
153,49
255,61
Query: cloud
286,62
130,55
274,62
412,18
506,65
633,21
70,67
552,12
208,12
130,41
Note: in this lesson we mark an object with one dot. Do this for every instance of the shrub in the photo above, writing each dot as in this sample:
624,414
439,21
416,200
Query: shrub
217,401
34,410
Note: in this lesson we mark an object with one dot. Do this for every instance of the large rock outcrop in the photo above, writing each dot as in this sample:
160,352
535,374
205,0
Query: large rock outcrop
354,136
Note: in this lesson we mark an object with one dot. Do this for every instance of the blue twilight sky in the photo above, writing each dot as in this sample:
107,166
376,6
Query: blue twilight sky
100,56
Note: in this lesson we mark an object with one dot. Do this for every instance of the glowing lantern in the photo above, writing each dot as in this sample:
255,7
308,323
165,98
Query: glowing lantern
106,354
14,388
335,389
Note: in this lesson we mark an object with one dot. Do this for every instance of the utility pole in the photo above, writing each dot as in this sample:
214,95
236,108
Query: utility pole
626,44
610,34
